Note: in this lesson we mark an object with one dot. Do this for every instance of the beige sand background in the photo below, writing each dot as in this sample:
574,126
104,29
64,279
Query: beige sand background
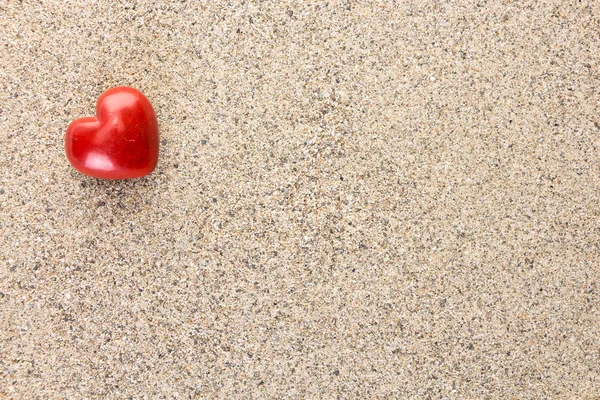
354,200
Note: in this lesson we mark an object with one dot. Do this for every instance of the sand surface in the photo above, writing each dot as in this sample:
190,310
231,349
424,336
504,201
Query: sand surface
353,200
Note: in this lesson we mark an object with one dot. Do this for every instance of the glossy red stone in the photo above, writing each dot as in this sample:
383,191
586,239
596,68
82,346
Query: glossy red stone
120,142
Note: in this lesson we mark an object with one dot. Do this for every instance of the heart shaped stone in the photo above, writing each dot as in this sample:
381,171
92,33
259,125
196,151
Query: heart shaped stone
120,142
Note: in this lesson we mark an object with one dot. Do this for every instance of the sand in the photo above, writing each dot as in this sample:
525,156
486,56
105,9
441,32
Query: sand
353,200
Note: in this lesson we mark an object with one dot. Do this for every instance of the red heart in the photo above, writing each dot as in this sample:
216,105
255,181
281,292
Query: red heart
120,142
